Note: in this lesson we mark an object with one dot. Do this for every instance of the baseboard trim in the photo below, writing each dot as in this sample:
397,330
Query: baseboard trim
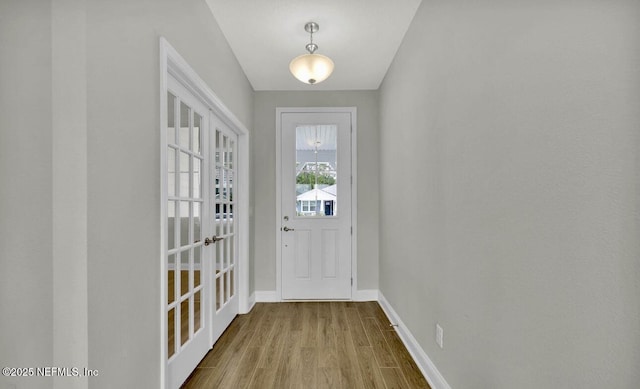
252,301
266,296
271,296
429,370
366,295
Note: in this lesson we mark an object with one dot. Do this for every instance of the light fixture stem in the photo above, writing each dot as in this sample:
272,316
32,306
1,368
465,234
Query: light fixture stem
311,48
311,27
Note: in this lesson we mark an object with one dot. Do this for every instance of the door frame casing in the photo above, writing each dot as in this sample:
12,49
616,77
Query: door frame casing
353,111
174,65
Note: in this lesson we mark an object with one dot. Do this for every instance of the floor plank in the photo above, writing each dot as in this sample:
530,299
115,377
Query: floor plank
309,345
393,378
329,378
369,369
355,326
381,350
409,368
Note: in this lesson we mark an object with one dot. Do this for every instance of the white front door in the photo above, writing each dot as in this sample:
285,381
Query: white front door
187,210
316,205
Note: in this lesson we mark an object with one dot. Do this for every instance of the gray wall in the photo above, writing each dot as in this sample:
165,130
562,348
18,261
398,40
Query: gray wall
510,191
264,178
26,219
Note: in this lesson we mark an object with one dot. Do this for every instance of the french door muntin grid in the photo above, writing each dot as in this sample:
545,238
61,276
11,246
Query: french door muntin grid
184,224
224,218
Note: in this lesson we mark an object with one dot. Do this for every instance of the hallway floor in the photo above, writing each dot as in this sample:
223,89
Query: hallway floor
309,345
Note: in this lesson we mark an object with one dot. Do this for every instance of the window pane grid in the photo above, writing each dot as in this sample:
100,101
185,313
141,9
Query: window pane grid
184,222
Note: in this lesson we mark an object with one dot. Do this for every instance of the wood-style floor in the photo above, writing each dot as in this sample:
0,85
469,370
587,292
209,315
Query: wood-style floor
309,345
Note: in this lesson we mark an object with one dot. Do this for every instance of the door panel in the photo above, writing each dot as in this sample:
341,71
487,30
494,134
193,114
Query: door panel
303,254
330,253
316,205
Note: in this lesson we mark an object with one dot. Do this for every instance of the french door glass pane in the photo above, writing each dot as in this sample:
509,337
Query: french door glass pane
229,249
171,119
225,151
171,225
220,256
226,290
229,180
197,220
184,272
223,184
197,266
184,223
171,331
225,219
171,171
316,170
197,122
171,279
218,304
197,177
184,174
196,312
185,113
218,135
184,321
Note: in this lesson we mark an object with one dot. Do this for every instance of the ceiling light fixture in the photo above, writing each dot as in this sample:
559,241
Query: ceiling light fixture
311,68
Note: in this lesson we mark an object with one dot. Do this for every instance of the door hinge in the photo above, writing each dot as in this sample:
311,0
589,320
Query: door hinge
351,281
351,230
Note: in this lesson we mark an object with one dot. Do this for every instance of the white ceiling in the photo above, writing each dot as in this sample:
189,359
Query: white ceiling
360,36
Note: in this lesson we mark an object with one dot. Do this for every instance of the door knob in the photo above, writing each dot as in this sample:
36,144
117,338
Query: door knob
287,229
213,239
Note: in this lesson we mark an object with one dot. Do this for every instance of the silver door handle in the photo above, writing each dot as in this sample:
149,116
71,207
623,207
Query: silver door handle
213,239
287,229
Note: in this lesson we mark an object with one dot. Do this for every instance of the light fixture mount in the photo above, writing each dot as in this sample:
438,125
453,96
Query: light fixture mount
311,27
311,68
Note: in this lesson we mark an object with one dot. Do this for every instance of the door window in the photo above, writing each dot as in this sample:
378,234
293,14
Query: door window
316,170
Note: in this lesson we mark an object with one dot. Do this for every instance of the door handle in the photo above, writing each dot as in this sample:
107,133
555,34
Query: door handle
213,239
287,229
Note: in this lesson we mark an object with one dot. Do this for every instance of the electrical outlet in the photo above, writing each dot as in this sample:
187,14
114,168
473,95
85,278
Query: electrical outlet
439,335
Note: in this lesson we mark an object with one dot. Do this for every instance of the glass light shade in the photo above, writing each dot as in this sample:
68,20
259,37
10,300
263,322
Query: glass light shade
311,68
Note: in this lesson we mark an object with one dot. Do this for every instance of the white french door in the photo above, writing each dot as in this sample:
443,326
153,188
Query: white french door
187,210
204,207
315,217
224,226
